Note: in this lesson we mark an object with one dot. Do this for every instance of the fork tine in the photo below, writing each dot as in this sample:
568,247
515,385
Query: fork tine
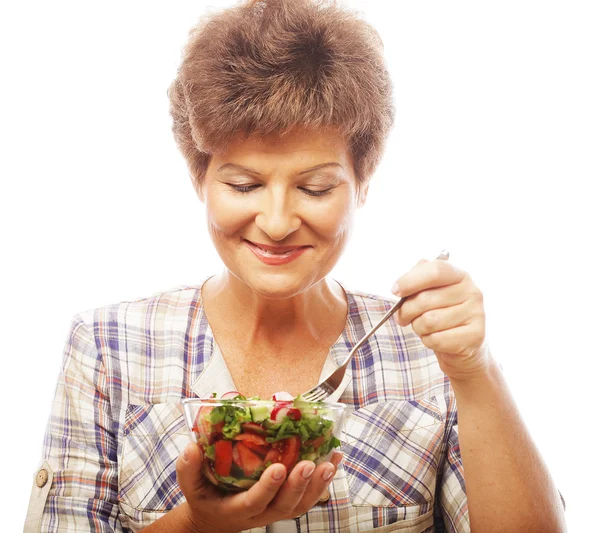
318,396
315,395
310,395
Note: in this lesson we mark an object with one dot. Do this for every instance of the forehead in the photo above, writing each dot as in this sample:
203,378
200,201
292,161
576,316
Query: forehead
296,147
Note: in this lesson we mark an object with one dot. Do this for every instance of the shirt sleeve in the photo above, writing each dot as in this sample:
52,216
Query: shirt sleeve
75,489
451,512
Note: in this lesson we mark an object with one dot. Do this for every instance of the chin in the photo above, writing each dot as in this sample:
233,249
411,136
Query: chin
279,286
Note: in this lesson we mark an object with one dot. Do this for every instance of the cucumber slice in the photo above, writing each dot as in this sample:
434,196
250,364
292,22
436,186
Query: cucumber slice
260,413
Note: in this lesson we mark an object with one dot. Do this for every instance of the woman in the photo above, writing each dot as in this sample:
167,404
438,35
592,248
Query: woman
281,109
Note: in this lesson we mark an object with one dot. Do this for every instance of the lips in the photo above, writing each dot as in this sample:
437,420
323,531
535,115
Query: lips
276,250
276,255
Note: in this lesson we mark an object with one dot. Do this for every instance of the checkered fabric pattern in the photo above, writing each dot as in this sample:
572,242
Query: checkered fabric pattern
116,428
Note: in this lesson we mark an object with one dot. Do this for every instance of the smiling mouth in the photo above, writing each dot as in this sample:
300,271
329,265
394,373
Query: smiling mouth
275,251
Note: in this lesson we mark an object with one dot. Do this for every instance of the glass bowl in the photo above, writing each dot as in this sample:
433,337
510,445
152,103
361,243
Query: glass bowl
240,438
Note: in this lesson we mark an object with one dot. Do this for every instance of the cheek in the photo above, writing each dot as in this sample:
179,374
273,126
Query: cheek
333,219
226,216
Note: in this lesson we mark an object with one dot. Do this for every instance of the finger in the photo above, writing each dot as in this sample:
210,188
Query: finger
336,459
443,319
189,471
429,300
321,479
255,500
463,341
420,262
428,275
292,490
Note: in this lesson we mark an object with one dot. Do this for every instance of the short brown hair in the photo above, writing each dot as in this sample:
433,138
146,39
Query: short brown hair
269,66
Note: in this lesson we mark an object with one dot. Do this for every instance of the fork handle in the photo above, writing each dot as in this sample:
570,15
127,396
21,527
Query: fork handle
444,255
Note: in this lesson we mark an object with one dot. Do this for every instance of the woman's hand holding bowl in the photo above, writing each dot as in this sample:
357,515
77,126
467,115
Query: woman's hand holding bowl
271,499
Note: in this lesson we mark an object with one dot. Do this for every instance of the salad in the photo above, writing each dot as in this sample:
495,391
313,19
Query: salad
241,437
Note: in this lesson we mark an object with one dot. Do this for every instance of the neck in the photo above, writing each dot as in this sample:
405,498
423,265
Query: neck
309,315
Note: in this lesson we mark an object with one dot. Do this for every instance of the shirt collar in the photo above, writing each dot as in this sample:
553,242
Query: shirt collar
215,376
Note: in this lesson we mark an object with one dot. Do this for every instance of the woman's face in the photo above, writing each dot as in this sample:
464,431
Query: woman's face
280,210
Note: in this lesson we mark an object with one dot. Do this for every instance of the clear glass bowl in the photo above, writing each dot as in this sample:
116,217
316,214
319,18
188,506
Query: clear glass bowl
241,438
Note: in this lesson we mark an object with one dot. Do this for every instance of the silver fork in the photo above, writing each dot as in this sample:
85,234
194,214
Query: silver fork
331,383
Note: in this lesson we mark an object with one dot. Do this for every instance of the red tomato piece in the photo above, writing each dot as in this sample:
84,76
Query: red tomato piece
316,443
216,432
290,453
273,455
223,457
286,452
260,450
251,437
253,427
250,462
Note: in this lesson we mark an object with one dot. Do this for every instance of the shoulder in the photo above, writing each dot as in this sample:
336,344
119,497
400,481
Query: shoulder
143,311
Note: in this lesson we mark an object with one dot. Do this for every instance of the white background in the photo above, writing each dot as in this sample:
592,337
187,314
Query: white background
494,156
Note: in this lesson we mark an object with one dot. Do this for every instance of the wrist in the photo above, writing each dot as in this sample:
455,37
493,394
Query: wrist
476,368
486,376
189,526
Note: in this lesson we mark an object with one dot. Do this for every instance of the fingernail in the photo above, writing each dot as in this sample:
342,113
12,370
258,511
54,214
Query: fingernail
278,473
396,288
308,470
327,474
185,453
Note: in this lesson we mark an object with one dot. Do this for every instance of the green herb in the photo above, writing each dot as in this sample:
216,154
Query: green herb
210,452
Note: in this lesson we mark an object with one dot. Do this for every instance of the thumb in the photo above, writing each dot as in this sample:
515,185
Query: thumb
189,471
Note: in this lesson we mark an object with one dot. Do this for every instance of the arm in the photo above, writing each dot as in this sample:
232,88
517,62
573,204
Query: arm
503,469
509,489
80,450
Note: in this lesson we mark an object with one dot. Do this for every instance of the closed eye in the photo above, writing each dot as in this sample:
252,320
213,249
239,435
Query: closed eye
243,188
312,192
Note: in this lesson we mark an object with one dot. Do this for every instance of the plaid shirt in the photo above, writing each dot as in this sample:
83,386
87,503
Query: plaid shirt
116,430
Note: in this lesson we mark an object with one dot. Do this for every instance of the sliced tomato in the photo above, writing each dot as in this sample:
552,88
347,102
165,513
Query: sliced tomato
253,427
290,453
285,451
251,437
260,450
223,457
273,455
216,432
250,462
316,443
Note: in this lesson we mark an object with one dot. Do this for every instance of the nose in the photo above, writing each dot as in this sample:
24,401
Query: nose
277,216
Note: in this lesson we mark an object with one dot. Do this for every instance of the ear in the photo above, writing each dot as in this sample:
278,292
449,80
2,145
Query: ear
199,188
361,196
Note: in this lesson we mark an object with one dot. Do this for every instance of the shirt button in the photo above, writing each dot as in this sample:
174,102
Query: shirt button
42,478
325,496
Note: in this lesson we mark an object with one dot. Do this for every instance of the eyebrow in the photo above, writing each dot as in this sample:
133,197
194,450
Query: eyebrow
228,166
